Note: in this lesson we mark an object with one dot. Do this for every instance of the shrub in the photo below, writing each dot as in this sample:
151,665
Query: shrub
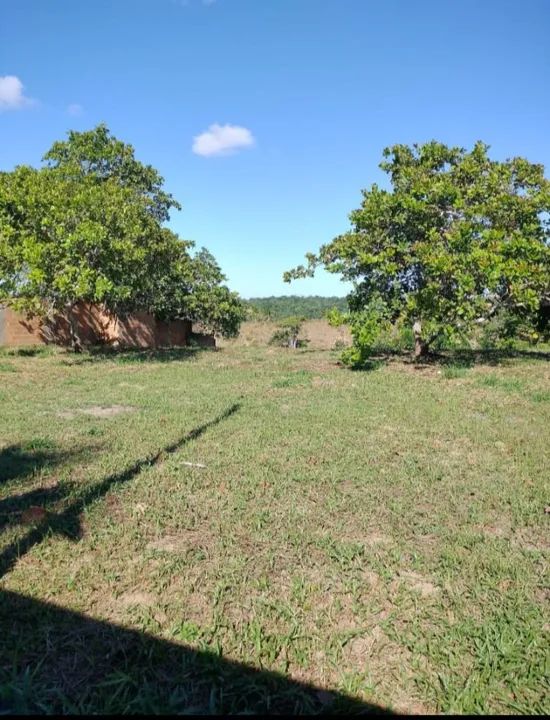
339,344
287,333
505,329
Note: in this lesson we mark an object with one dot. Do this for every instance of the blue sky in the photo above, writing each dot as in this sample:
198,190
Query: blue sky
312,90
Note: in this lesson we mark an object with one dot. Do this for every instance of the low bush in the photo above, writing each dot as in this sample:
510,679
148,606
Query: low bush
288,333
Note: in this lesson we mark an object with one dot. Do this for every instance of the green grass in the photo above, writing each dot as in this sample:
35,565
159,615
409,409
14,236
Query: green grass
502,383
379,535
451,372
297,378
7,367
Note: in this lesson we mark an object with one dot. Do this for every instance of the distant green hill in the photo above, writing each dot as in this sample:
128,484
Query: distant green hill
276,308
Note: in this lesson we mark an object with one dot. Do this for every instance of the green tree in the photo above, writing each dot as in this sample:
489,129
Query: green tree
288,333
458,238
64,240
193,288
97,154
88,227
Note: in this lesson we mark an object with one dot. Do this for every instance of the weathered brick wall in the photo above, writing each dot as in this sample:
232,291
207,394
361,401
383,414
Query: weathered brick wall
95,327
174,333
202,339
137,330
16,330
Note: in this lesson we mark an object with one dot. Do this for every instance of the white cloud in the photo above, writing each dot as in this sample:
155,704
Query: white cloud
12,96
75,109
222,140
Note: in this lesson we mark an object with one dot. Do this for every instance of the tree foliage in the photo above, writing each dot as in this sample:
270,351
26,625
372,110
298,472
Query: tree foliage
97,154
287,333
88,226
310,307
457,239
193,288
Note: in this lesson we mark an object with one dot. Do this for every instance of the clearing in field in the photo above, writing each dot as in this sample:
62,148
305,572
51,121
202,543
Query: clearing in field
355,539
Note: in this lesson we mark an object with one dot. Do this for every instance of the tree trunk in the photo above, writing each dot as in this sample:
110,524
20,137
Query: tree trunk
420,346
48,325
73,327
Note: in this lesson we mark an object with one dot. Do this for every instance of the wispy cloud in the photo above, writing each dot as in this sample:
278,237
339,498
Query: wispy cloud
12,96
75,109
222,140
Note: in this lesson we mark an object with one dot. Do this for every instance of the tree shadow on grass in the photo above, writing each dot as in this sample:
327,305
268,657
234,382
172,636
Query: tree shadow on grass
466,358
53,660
163,355
20,460
462,357
30,506
17,461
368,365
68,522
29,351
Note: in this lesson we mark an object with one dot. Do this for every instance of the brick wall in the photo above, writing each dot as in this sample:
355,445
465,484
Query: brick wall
95,327
17,331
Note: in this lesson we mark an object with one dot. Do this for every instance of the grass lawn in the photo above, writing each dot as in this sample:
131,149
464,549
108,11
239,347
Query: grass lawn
378,538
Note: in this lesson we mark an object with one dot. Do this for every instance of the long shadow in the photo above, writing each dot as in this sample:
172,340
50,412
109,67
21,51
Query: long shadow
53,660
68,522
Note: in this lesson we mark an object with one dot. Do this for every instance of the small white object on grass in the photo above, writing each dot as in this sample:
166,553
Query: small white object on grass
195,465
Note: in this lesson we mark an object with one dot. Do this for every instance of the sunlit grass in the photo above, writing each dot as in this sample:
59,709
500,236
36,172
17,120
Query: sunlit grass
379,533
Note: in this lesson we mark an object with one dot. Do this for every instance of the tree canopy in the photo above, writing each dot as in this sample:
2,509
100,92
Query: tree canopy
89,226
278,308
457,238
98,155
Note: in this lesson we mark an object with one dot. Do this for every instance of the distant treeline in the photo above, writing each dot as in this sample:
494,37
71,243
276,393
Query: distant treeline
310,307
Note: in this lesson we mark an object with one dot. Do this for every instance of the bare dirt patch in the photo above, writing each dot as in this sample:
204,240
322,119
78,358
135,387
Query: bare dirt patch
137,597
114,505
374,651
99,411
371,578
102,411
376,538
181,542
66,414
499,532
360,648
526,539
322,382
418,583
166,544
